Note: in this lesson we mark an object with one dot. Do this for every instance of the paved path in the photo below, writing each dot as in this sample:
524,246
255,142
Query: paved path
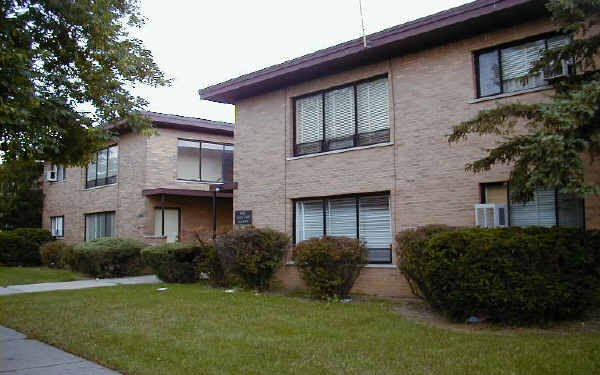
22,356
80,284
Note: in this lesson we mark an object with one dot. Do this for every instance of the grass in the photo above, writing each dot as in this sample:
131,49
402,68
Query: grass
196,329
35,275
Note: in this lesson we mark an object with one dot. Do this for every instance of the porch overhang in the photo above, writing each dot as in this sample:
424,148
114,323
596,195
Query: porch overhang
185,192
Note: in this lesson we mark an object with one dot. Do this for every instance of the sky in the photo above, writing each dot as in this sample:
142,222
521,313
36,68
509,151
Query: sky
199,43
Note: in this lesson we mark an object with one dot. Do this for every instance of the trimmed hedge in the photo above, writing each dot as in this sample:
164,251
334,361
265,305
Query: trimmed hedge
177,262
512,275
35,235
108,257
16,250
56,254
252,254
330,265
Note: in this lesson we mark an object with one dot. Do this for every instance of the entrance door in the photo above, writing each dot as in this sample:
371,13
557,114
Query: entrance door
171,223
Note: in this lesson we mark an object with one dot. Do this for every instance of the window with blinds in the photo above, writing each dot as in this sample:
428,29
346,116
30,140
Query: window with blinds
367,217
507,69
350,116
99,225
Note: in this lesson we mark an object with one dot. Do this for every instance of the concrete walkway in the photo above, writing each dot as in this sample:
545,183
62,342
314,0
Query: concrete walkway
22,356
80,284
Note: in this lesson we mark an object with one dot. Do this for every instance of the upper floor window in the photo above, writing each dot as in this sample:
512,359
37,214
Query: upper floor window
204,161
502,70
56,173
104,169
350,116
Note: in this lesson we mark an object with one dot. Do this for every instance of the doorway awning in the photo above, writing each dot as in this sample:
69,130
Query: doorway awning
186,192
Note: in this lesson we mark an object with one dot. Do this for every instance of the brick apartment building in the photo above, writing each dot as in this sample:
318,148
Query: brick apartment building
153,188
352,141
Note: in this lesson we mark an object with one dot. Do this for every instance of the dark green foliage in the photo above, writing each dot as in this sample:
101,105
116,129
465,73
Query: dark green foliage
58,55
18,251
560,132
210,264
513,275
36,235
108,257
177,262
411,249
56,254
21,195
330,265
252,254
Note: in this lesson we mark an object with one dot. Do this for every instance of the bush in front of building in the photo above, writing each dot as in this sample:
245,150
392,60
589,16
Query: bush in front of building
56,254
330,265
178,262
108,257
252,254
36,235
411,261
16,250
512,275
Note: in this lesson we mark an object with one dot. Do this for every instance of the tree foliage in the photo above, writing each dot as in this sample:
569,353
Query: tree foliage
21,195
59,56
548,143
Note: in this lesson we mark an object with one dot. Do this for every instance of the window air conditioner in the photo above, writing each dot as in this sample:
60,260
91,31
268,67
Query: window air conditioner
491,215
556,70
52,173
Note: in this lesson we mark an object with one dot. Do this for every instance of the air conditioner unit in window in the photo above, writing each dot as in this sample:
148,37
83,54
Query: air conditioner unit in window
52,174
556,70
491,215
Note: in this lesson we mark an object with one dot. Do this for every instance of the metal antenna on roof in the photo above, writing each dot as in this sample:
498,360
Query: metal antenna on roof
362,22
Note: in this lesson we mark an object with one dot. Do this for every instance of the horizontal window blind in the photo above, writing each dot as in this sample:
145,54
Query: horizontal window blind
341,217
541,211
372,104
339,118
309,124
309,220
99,225
375,222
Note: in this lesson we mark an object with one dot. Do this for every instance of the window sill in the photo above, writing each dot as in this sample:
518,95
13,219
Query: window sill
340,151
509,94
154,236
99,187
56,182
200,181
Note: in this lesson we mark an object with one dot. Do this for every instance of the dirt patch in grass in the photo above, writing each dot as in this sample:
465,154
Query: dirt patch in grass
419,310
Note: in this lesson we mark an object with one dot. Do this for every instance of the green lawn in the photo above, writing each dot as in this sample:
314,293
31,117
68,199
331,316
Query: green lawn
194,329
34,275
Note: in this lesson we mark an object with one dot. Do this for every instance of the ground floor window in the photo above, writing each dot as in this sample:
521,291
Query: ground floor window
57,224
170,228
367,217
548,208
99,225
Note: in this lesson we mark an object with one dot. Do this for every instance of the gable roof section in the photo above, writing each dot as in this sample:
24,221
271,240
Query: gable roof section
469,19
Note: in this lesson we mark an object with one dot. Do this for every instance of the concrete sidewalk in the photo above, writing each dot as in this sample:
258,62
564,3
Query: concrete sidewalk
80,284
22,356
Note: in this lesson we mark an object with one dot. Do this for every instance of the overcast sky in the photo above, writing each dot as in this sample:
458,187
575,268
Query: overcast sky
199,43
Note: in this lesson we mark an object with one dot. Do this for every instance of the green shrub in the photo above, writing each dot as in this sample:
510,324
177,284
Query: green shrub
513,275
211,265
56,254
177,262
18,251
35,235
330,265
108,257
411,246
252,254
